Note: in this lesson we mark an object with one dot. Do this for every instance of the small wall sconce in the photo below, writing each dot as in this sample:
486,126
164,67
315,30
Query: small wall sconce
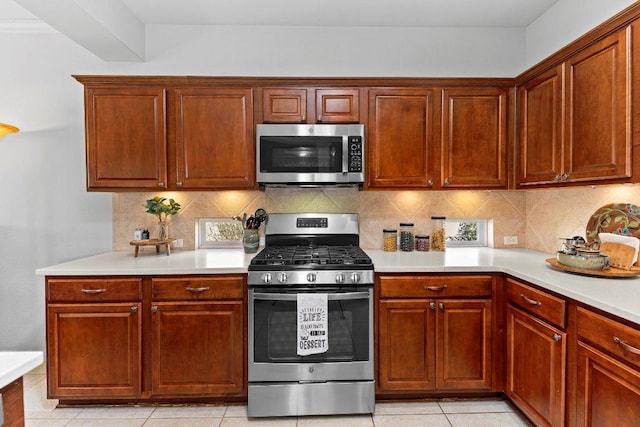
7,129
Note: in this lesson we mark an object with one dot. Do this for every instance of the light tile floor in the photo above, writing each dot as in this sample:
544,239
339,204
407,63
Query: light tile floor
41,412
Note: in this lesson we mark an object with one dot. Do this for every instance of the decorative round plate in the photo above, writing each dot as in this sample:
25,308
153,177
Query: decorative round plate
617,218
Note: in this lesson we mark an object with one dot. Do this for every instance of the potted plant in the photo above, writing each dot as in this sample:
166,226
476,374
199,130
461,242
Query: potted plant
159,207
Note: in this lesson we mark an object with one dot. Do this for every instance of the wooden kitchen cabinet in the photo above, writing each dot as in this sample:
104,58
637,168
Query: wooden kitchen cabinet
198,335
432,336
400,142
536,354
588,96
310,105
213,144
94,338
475,137
126,144
608,371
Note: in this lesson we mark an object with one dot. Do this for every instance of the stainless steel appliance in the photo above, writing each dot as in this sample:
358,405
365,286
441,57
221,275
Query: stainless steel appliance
308,154
311,253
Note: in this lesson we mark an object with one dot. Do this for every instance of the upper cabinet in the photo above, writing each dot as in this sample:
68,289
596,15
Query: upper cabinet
475,137
147,134
400,138
310,105
212,140
126,137
575,118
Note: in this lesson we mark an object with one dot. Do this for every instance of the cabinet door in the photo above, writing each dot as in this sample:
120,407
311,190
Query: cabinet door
475,138
94,350
126,137
286,105
540,125
463,343
406,345
337,106
400,141
598,138
536,366
607,392
198,348
214,138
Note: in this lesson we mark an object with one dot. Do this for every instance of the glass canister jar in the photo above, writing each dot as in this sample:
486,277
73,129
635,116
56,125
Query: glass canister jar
406,237
422,243
437,233
389,240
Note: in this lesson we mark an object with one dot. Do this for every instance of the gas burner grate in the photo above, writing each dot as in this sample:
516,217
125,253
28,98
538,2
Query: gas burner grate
311,256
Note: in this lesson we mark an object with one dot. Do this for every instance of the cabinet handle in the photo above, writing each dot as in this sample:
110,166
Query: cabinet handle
446,182
441,305
198,290
92,291
529,300
161,184
430,183
134,309
565,176
303,118
556,337
557,178
154,308
432,305
319,117
179,183
624,345
435,288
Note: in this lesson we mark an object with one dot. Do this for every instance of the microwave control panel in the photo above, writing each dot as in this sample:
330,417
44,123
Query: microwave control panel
355,154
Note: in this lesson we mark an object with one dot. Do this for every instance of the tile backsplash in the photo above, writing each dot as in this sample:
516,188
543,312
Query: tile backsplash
537,217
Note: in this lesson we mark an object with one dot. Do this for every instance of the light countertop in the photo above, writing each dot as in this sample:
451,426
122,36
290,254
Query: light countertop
620,297
14,364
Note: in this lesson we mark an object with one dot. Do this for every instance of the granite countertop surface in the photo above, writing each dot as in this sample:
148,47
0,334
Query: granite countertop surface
620,296
14,364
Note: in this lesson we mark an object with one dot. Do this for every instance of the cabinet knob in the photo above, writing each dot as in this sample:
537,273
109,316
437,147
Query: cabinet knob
161,184
134,309
303,118
446,182
319,117
441,306
430,183
557,337
557,178
432,305
179,183
565,176
154,308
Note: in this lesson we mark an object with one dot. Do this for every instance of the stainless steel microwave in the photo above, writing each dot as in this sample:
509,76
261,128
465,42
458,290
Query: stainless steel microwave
308,154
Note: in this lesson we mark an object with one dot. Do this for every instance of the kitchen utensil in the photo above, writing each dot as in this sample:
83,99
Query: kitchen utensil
260,215
630,241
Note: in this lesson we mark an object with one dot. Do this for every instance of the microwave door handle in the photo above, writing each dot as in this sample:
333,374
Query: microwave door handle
345,154
293,296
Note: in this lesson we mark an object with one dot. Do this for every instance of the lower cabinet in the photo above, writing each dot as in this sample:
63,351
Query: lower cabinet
428,340
536,354
113,339
608,372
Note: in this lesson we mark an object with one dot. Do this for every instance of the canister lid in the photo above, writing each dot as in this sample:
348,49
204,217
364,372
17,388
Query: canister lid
438,217
389,230
406,224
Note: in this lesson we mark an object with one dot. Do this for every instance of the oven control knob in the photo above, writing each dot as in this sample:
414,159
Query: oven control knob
311,277
266,277
340,278
282,277
355,277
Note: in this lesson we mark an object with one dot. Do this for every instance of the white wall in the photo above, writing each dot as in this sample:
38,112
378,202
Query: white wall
566,21
47,217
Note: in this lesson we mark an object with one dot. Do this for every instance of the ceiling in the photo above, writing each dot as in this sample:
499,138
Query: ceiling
95,22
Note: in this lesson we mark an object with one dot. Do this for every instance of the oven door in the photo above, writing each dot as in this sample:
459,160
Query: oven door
273,340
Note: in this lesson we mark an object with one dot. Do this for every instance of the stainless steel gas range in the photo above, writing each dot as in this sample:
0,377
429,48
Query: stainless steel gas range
311,319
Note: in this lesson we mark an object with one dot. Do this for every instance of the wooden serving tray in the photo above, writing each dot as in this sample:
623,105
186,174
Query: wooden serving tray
610,272
152,242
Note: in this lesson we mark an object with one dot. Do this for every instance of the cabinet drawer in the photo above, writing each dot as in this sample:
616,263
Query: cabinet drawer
435,286
91,290
546,306
197,288
618,339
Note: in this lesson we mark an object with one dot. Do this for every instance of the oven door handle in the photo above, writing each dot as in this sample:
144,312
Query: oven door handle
333,296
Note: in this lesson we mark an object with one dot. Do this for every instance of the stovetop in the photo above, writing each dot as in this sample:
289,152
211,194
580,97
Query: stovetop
311,257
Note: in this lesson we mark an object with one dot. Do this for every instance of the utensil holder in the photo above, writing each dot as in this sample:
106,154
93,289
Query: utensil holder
251,240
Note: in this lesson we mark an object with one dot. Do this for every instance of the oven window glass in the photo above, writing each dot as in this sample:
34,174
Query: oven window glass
275,339
301,154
